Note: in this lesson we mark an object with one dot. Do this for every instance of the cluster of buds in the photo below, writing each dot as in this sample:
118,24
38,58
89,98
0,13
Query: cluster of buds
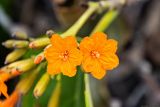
18,63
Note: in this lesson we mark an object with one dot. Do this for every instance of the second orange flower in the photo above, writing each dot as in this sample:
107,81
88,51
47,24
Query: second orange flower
99,54
63,56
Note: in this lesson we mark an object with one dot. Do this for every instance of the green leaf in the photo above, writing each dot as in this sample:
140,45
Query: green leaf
32,52
73,91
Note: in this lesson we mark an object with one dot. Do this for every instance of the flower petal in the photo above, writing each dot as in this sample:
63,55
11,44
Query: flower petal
51,56
99,37
109,61
75,57
4,76
86,64
70,42
56,39
3,89
99,40
97,70
86,45
11,101
110,46
68,69
89,63
58,43
99,73
54,68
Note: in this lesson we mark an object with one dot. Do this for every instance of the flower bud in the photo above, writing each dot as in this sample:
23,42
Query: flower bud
27,82
20,44
15,44
25,66
20,35
39,58
13,56
49,33
5,69
8,43
39,43
22,66
41,85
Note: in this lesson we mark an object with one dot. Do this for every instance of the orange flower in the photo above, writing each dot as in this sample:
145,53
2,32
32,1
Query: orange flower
62,55
99,54
11,101
3,88
4,76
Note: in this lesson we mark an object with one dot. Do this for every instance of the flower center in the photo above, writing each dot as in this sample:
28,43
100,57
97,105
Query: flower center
64,56
95,54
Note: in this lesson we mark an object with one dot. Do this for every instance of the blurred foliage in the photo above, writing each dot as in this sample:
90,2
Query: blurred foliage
7,5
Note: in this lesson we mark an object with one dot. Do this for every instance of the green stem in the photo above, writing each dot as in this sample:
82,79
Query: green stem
58,77
105,21
93,6
78,89
87,92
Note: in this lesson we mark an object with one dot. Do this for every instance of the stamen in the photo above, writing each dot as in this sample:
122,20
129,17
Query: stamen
64,56
95,54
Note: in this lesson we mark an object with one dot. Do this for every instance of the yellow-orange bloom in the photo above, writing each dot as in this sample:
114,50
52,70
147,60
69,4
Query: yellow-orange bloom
4,76
11,101
3,86
62,55
99,54
3,89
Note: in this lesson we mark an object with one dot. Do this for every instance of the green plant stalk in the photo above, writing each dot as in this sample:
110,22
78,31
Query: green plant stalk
93,6
105,21
54,100
87,92
103,24
79,88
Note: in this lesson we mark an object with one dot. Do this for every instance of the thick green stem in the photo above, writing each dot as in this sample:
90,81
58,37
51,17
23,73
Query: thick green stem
87,92
105,21
76,26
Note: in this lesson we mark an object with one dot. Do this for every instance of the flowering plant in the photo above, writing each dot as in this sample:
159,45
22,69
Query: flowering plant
47,63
